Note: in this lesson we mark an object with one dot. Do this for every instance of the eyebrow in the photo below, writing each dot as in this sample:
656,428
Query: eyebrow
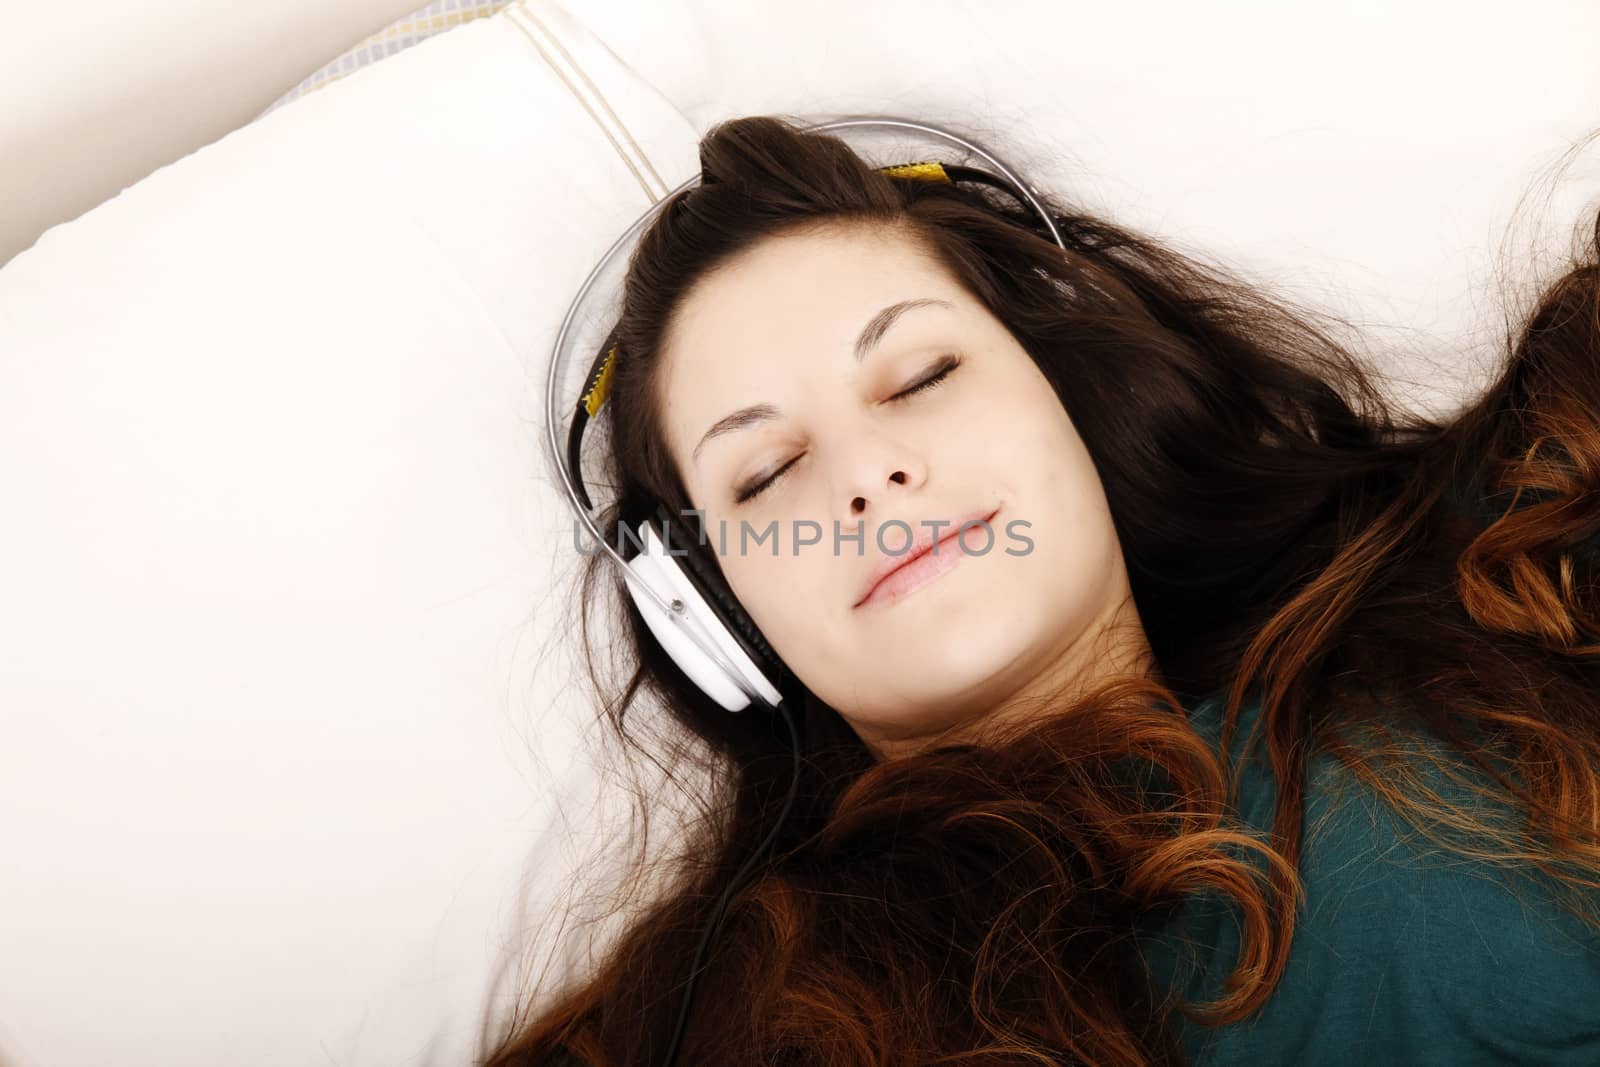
871,334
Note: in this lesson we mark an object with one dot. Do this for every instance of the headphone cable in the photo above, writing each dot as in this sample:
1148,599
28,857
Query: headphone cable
738,879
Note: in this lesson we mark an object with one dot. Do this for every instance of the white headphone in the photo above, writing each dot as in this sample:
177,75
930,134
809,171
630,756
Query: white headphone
684,600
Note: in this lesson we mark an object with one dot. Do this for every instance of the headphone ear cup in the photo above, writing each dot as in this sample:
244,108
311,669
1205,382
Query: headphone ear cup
706,577
685,637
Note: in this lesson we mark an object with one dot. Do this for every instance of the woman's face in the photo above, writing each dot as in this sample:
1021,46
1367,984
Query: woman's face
799,361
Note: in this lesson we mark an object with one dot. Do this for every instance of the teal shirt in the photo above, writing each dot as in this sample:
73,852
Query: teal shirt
1402,953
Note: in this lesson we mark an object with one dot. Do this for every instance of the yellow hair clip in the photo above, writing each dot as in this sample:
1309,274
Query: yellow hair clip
596,394
927,172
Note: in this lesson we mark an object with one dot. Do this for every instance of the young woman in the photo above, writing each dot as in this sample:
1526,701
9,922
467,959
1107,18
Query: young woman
1266,730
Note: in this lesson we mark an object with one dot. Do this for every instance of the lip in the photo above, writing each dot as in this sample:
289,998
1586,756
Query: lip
948,556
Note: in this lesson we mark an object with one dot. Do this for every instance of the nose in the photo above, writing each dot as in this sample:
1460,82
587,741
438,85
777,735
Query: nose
858,504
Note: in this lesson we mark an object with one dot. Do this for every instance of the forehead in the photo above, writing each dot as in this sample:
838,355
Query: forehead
804,293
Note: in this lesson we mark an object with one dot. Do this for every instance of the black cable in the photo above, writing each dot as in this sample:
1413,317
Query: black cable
716,921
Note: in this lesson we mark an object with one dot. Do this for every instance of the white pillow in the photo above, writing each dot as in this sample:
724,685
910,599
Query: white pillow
407,31
284,703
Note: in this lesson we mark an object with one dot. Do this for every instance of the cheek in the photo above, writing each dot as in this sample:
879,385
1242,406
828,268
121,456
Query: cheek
1056,486
1054,441
1026,440
767,585
789,596
1010,399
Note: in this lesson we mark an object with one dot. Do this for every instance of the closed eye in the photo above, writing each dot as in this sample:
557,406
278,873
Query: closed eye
940,373
942,370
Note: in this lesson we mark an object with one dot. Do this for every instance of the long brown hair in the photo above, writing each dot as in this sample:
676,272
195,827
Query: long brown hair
1291,534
